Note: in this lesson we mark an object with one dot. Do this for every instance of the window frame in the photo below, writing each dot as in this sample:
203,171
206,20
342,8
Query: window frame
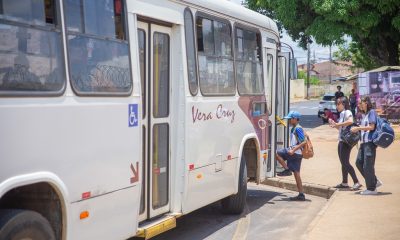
200,14
187,9
258,32
169,76
272,82
104,38
55,28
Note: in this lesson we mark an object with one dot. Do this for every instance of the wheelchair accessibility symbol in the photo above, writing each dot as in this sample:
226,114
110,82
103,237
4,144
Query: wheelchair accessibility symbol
133,115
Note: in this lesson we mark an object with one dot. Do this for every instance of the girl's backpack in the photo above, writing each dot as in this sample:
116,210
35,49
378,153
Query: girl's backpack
383,135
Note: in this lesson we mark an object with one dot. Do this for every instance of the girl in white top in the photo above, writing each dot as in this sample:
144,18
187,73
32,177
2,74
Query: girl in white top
346,119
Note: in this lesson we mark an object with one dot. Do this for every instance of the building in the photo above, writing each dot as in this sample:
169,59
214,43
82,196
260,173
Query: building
327,71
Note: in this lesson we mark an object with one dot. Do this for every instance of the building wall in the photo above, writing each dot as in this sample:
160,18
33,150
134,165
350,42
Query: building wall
297,88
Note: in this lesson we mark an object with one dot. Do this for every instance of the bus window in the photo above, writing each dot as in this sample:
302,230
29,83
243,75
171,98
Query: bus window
142,62
269,81
98,51
161,75
248,62
214,46
30,48
190,52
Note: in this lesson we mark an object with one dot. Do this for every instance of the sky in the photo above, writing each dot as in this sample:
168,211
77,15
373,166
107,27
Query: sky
321,53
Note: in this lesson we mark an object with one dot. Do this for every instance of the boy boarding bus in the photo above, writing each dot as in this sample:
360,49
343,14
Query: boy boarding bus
118,116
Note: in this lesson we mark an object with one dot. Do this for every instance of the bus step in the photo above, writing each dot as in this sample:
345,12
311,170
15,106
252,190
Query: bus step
153,228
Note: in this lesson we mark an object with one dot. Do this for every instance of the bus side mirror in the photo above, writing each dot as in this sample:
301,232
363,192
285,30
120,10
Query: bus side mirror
293,68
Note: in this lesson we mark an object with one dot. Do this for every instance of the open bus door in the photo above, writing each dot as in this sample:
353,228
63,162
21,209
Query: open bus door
282,98
269,53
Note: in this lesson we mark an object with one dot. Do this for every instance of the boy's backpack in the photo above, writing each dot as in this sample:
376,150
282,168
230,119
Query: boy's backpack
383,135
308,149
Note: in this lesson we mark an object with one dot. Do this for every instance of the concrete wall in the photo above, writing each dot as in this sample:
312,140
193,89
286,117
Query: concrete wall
320,90
297,88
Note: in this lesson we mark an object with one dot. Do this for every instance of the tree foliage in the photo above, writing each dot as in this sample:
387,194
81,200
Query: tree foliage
374,25
313,79
357,55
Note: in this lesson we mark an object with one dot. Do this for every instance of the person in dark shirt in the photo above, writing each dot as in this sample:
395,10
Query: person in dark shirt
353,101
339,93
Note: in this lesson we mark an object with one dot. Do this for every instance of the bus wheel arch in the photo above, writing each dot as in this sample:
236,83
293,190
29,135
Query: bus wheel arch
250,152
39,201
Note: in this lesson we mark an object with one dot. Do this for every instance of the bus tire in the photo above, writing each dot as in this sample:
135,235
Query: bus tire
24,224
234,204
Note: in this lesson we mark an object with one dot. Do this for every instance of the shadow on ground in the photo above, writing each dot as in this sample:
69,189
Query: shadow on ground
206,221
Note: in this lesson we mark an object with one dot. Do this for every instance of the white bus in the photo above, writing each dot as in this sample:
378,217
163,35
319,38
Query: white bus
117,117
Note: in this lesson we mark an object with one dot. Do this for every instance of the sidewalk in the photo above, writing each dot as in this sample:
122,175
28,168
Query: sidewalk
349,215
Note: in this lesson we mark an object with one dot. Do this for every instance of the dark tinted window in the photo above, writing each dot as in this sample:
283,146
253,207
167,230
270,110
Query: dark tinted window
160,75
96,17
97,47
328,98
248,62
214,46
31,54
190,52
98,65
36,12
142,62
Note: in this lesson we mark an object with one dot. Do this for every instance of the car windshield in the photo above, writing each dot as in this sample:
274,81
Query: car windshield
328,98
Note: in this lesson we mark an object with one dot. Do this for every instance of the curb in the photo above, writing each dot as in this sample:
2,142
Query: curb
309,188
320,214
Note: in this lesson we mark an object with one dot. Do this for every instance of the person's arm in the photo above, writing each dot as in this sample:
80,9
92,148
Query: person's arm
346,123
300,138
371,126
297,147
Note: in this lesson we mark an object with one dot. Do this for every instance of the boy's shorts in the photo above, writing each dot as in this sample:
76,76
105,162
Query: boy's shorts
293,161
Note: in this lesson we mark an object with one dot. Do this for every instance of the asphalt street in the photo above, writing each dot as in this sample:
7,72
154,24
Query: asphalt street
308,110
269,215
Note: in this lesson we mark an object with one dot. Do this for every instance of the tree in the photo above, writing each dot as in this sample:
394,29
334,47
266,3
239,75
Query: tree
357,55
374,25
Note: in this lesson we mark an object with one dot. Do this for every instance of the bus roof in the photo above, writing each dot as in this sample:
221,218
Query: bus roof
236,11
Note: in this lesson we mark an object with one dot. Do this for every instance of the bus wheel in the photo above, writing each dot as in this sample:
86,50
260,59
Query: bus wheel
234,204
24,224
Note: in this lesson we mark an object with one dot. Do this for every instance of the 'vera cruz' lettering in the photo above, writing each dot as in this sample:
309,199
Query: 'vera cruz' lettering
220,113
224,113
197,115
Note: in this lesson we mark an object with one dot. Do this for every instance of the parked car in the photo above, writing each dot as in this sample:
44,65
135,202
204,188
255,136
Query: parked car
328,101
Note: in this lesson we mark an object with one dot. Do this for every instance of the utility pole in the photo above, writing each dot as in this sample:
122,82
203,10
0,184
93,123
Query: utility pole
330,64
308,70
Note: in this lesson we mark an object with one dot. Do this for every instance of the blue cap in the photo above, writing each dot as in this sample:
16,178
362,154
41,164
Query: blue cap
292,114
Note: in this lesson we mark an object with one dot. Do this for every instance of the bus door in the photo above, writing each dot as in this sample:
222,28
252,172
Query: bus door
269,85
282,101
155,64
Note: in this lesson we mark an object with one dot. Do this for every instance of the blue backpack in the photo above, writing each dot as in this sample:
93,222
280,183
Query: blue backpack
383,135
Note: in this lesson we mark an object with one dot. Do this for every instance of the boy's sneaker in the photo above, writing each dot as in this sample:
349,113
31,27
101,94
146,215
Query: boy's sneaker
285,172
368,192
356,186
299,197
378,183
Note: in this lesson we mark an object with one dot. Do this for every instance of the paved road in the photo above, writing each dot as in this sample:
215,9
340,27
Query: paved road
270,215
308,110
